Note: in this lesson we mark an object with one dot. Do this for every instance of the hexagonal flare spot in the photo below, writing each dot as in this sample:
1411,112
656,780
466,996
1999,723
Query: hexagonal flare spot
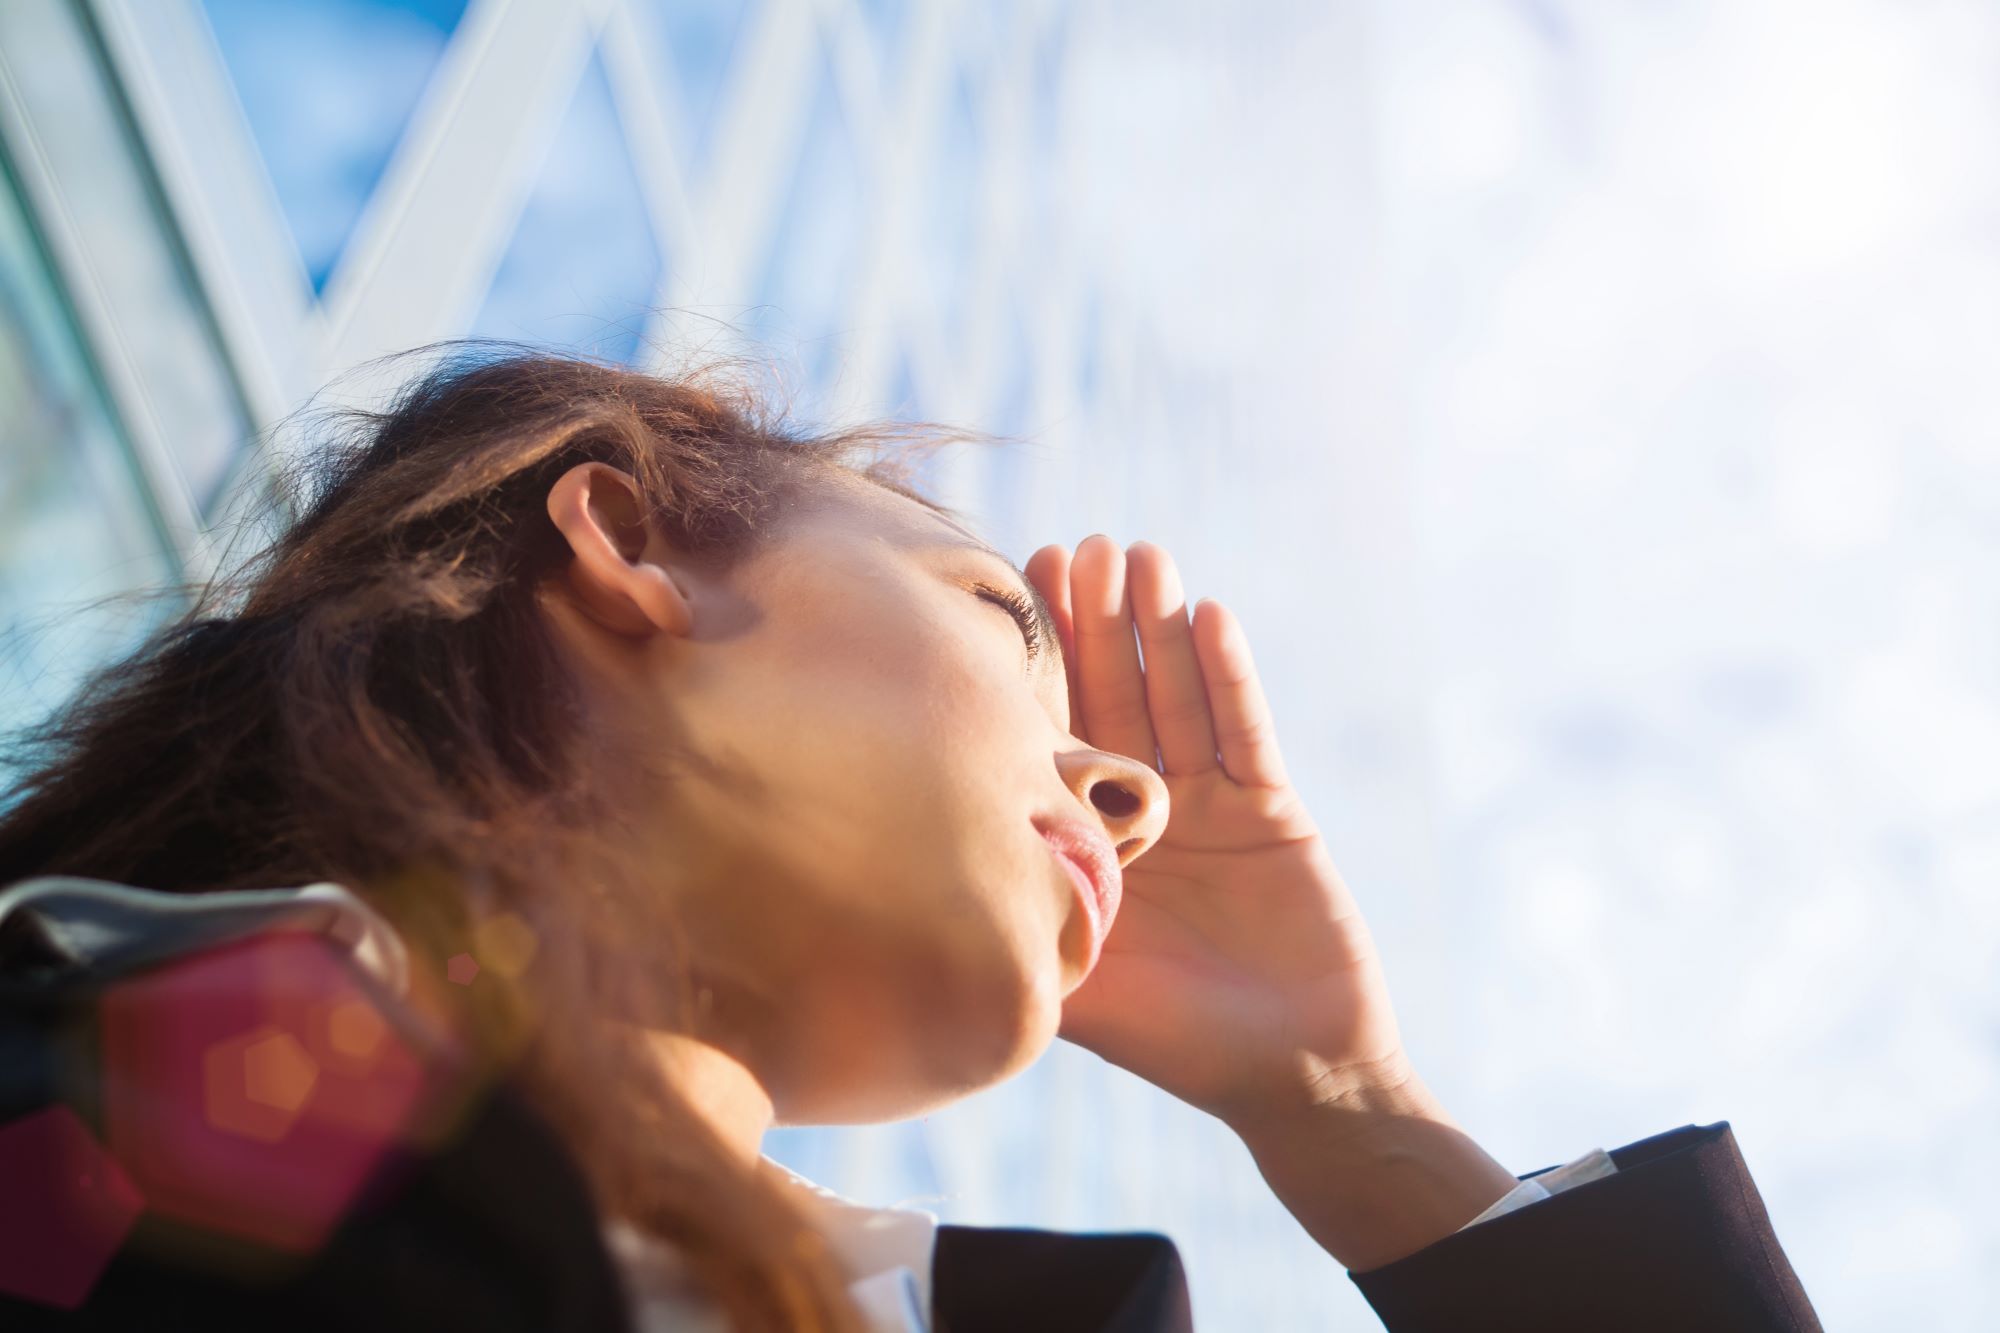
355,1031
256,1084
462,968
506,944
257,1088
65,1210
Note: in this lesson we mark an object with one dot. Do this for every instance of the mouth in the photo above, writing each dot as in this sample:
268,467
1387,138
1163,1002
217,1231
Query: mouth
1092,864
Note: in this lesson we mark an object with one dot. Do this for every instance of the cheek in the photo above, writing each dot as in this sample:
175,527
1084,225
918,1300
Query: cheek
912,727
887,1045
907,785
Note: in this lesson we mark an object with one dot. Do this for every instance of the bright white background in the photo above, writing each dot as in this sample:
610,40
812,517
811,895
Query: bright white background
1600,444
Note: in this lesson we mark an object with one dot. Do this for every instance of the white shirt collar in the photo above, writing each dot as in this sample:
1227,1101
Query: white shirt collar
885,1252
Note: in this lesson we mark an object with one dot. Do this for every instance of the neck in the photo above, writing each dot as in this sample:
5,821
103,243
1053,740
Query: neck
719,1088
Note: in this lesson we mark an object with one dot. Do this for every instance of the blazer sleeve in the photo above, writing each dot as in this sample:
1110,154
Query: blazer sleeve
1676,1239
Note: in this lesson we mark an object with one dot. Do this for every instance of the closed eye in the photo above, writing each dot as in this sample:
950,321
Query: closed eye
1017,605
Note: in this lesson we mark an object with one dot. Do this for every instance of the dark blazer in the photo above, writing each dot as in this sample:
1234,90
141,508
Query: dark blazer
493,1229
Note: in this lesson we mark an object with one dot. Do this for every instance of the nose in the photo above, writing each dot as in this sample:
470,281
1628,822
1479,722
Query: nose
1128,797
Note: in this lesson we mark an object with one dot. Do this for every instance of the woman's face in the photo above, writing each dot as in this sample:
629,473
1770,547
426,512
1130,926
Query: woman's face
869,755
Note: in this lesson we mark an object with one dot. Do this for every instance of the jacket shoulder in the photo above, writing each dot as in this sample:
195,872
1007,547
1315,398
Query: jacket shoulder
207,1125
989,1279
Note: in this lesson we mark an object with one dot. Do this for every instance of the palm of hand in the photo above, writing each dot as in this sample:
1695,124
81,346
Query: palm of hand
1239,972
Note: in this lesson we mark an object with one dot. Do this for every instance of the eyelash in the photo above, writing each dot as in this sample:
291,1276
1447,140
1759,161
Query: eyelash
1017,605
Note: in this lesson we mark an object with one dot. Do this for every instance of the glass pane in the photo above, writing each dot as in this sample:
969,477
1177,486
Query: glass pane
141,305
75,525
583,267
948,211
701,38
327,86
803,299
888,21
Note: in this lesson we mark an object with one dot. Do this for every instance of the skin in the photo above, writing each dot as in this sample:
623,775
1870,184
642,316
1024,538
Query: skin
853,852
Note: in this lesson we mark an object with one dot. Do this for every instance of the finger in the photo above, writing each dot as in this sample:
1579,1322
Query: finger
1048,570
1175,697
1110,690
1244,735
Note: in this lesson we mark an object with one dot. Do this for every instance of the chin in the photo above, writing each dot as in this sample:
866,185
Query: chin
1000,1035
931,1054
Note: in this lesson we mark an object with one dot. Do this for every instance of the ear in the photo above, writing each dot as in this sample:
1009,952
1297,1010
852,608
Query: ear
596,508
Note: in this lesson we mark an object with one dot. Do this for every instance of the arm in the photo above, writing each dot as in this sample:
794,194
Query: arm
1673,1236
1677,1238
1377,1173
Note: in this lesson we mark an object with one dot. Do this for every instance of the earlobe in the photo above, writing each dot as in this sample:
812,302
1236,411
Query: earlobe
596,509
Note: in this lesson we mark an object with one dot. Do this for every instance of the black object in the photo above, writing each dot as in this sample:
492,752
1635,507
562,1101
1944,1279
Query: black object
494,1230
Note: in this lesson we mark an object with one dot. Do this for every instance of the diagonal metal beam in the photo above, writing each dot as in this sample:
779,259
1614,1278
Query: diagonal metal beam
207,160
432,235
756,145
644,88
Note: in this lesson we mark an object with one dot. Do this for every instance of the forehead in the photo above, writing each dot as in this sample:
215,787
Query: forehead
875,513
864,508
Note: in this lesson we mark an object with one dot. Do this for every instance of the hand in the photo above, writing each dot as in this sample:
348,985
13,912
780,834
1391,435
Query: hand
1239,974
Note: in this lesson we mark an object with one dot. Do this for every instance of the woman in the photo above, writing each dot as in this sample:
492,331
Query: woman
662,775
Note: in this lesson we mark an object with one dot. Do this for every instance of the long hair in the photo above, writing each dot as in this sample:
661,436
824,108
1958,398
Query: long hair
374,699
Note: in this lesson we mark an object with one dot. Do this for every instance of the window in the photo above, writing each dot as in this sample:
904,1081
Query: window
76,525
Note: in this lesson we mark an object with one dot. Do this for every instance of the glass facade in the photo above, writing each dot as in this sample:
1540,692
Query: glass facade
324,134
583,263
76,522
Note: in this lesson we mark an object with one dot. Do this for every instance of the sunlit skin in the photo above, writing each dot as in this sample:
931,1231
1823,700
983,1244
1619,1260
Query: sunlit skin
882,926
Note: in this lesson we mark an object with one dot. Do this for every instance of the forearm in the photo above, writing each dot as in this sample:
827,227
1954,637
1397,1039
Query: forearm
1376,1174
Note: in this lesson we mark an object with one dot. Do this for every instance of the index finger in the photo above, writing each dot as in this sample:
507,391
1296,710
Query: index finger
1048,570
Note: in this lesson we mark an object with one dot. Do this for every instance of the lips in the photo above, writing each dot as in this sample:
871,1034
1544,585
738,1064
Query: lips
1092,859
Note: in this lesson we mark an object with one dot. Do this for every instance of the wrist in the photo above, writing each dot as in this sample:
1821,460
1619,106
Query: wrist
1376,1172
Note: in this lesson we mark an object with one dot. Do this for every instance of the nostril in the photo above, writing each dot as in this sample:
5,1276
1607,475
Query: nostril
1114,799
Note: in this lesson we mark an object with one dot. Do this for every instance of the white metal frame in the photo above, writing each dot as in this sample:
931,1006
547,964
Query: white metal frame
432,235
64,128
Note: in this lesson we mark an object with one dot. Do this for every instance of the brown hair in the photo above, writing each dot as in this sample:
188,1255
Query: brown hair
374,699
